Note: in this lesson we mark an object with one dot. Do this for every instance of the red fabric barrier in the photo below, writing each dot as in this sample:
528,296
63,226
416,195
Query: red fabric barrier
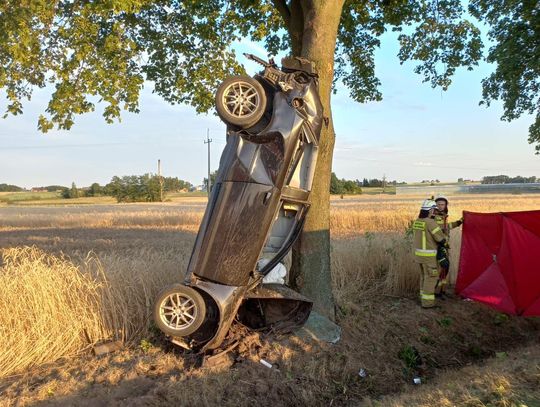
500,261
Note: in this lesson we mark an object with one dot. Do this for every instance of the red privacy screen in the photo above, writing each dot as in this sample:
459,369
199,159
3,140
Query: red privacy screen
500,261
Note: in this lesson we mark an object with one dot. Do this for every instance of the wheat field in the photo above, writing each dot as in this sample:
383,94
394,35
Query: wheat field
71,277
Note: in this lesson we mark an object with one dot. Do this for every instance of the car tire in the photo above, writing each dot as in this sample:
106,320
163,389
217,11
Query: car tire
241,101
179,310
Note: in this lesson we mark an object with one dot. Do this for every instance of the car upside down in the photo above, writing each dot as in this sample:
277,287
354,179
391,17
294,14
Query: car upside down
255,211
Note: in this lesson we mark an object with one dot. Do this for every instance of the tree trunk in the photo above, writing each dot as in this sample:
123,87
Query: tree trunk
311,253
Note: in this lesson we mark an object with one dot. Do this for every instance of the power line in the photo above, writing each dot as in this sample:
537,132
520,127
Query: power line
62,146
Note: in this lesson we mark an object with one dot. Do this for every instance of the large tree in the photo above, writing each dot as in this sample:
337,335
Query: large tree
515,34
102,52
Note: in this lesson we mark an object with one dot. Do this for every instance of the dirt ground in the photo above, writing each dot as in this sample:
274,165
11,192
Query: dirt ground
379,336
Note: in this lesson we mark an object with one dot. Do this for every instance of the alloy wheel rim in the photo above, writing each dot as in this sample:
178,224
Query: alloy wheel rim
178,311
241,99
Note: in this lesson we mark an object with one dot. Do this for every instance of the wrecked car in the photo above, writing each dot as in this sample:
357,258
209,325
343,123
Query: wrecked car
255,211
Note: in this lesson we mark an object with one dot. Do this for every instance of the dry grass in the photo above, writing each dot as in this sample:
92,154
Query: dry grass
384,213
103,217
350,216
56,306
58,201
507,381
30,199
379,263
52,307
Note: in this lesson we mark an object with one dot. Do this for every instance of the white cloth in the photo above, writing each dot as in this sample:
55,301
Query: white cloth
277,275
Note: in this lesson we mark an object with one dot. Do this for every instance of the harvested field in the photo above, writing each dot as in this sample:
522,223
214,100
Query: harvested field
110,260
393,213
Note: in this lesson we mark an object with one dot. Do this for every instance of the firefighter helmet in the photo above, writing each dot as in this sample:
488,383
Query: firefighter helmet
428,204
441,198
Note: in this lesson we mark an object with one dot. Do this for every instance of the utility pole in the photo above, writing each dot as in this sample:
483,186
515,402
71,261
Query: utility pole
160,180
208,141
384,183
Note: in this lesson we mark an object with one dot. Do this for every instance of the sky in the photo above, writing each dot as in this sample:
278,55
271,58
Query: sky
415,133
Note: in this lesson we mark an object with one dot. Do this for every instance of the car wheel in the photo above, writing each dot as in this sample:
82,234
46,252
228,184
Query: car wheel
241,101
179,310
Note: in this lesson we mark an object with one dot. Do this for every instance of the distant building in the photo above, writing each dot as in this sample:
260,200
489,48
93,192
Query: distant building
435,190
39,189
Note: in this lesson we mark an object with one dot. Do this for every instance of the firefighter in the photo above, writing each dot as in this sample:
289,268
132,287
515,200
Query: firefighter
443,257
428,235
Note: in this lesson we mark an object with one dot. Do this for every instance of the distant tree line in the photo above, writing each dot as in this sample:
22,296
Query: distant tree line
351,187
135,188
464,181
143,188
129,188
54,188
505,179
72,192
10,188
343,186
378,183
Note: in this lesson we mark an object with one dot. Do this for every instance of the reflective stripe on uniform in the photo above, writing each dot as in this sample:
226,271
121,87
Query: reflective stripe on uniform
419,225
428,297
437,229
425,253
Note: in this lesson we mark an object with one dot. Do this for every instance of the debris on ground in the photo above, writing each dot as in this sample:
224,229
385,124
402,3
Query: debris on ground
265,363
107,347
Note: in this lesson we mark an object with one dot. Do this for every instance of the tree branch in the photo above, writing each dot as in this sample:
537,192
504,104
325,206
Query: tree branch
293,17
296,27
281,6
